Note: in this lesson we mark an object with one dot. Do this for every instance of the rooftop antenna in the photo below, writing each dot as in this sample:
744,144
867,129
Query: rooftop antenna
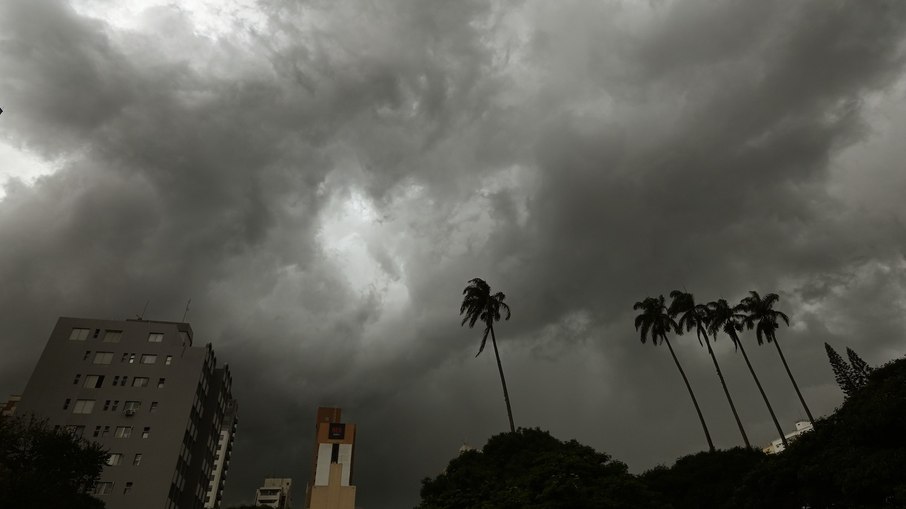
186,312
142,316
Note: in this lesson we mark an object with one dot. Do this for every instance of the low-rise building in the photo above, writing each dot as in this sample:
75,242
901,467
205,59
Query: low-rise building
276,492
777,445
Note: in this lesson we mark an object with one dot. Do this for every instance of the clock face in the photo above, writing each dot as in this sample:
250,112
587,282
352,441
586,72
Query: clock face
336,431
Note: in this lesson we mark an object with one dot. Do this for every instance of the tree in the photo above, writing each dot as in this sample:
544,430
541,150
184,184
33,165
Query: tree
706,480
656,322
43,467
724,318
695,316
479,305
843,373
860,369
761,315
530,469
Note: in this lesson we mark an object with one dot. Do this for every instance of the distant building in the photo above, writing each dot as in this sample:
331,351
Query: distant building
276,492
144,392
331,483
225,441
9,408
777,445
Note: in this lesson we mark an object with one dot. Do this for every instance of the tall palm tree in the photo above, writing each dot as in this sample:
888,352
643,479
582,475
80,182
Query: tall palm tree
654,321
695,316
729,320
761,315
479,305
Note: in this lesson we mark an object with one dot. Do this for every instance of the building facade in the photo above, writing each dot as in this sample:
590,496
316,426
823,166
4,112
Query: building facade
277,493
331,482
228,426
144,392
777,445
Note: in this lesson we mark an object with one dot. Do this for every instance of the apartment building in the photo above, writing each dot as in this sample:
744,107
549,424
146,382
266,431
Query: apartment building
142,390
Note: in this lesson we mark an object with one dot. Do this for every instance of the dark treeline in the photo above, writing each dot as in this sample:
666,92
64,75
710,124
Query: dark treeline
854,458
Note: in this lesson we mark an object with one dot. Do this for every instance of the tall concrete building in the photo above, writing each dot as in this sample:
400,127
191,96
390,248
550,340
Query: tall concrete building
331,482
143,391
222,456
276,493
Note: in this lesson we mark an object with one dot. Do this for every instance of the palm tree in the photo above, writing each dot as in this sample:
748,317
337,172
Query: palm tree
761,315
479,304
654,321
729,320
696,316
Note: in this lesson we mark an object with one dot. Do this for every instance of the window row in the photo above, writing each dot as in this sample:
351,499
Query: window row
104,432
116,458
97,381
107,358
110,335
106,488
86,406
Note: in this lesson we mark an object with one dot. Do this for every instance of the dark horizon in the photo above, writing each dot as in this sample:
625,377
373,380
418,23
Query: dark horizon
322,180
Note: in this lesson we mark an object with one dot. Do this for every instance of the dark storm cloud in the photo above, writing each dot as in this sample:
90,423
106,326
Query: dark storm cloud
322,182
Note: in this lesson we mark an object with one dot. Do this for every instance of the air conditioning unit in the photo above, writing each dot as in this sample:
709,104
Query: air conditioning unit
129,412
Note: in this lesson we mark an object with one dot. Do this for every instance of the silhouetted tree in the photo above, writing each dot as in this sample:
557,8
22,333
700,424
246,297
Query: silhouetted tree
860,369
530,469
761,315
479,305
43,467
695,316
843,373
656,322
729,320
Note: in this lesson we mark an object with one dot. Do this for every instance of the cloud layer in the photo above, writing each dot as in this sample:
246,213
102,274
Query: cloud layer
322,179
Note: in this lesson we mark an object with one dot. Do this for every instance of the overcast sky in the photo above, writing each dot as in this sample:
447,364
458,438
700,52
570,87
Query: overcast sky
322,178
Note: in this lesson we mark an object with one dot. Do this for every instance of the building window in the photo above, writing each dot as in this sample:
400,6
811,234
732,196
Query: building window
103,357
146,432
123,432
130,407
137,460
97,432
105,432
106,405
114,459
103,488
116,380
79,334
149,358
116,403
169,360
153,406
87,355
155,337
113,336
75,381
75,430
94,381
123,381
127,489
96,332
140,381
131,358
83,406
161,382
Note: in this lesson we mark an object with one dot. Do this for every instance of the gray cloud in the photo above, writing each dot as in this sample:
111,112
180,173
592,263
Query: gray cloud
323,178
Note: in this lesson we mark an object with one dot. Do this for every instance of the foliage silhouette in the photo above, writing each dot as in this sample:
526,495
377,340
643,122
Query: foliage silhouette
761,315
479,305
729,320
43,467
843,373
530,469
655,321
697,316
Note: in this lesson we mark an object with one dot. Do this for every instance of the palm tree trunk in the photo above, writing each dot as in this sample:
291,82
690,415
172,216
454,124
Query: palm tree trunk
692,394
506,395
761,390
795,385
723,383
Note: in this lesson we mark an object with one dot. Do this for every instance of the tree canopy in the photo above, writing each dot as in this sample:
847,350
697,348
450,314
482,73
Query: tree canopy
43,467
